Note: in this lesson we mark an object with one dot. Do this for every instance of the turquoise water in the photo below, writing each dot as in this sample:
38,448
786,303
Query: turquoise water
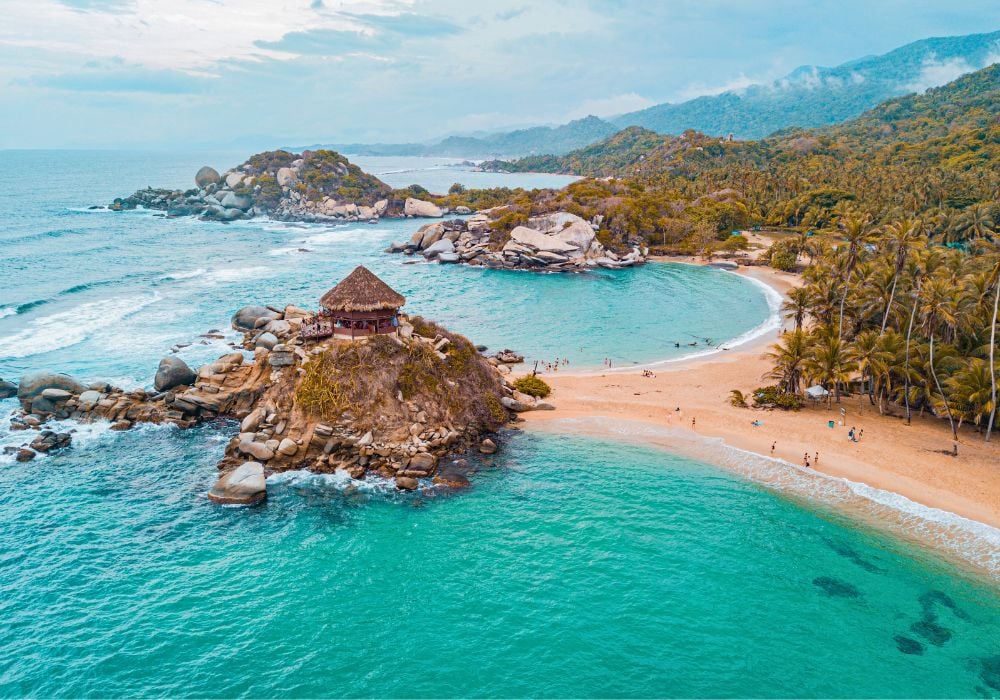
438,174
573,567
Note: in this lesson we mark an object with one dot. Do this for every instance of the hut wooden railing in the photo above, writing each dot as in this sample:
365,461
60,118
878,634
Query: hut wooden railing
316,328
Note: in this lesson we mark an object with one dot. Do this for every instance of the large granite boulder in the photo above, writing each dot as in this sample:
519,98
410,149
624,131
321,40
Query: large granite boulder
237,201
540,241
246,318
418,207
173,372
441,246
33,384
244,486
287,177
206,176
565,227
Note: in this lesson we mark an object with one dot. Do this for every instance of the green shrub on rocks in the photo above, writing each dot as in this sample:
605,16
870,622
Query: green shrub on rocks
533,385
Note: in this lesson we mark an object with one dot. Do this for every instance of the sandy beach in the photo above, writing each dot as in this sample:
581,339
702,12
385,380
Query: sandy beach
912,461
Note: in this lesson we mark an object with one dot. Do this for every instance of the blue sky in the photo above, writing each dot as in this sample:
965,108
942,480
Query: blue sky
262,73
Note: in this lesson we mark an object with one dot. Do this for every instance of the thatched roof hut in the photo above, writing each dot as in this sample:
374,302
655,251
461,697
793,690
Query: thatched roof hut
362,291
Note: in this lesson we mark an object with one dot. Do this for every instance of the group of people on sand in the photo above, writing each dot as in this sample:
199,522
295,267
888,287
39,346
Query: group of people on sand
648,373
855,435
815,460
554,365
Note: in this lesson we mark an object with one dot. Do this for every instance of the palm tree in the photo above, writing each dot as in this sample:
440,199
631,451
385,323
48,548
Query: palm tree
901,236
971,390
976,222
857,230
872,357
995,281
797,305
829,361
787,356
937,309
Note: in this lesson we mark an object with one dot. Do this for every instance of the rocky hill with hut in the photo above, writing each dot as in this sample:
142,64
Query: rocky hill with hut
313,186
555,242
403,402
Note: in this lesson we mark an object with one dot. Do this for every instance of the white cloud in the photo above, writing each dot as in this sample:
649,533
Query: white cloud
694,90
611,106
935,72
188,35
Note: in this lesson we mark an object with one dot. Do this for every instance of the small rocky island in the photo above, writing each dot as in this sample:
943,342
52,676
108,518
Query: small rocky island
556,242
357,386
314,186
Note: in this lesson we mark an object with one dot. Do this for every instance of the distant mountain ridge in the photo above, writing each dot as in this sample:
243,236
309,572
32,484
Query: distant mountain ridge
812,96
954,128
522,142
808,97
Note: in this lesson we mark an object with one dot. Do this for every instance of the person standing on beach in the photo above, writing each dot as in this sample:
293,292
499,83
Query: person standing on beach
692,424
850,434
772,446
816,459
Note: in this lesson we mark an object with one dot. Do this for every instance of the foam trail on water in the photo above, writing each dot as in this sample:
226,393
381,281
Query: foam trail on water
7,311
184,274
235,274
67,328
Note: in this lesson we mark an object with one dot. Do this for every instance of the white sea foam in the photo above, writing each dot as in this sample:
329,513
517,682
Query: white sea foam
7,311
346,233
340,480
235,274
184,274
285,251
70,327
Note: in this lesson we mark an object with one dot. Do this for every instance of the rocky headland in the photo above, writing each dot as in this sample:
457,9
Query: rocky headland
555,242
313,186
404,406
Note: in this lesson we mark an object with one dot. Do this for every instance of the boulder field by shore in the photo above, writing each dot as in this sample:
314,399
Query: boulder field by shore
556,242
406,406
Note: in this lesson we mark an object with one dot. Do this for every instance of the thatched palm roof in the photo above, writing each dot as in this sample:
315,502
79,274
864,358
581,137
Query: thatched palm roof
362,291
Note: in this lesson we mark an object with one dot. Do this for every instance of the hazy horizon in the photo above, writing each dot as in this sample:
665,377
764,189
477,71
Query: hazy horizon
222,75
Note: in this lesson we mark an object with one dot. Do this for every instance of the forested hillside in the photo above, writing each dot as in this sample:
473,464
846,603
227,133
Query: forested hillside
813,96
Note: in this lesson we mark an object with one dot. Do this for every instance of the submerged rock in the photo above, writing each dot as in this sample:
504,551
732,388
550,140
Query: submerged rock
7,389
908,646
836,588
244,485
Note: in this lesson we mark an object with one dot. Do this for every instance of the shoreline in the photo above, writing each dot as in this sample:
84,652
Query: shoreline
907,462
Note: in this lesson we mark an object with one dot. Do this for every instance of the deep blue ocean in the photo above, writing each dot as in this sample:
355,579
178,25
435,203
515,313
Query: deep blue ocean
574,567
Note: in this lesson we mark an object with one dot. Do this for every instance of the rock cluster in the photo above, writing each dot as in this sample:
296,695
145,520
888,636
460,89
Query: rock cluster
558,242
409,439
313,187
